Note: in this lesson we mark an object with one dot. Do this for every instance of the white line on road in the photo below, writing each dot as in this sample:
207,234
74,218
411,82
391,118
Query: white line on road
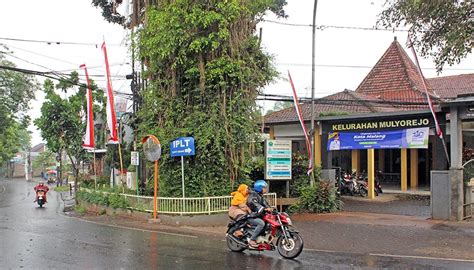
135,229
421,257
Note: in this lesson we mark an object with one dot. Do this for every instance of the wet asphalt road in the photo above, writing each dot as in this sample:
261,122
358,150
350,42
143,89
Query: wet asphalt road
32,237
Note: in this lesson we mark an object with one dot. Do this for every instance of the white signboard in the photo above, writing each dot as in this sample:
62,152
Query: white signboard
277,159
135,159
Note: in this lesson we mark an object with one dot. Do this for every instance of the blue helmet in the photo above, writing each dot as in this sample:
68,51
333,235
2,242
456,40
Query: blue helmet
259,185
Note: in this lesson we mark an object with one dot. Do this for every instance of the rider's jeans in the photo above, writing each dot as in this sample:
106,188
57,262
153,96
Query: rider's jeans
259,225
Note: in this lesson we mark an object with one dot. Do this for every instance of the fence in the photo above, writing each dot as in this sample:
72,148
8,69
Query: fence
187,206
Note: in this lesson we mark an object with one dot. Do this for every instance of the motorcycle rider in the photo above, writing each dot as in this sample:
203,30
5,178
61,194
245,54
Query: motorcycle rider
43,187
257,205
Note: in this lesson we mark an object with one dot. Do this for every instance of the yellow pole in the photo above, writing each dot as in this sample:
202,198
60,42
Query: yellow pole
404,169
355,158
413,168
121,167
317,148
370,173
272,133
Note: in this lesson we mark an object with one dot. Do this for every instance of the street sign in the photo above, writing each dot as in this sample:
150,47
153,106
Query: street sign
135,160
182,147
278,160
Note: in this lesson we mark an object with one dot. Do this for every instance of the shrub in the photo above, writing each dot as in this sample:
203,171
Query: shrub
80,209
93,197
321,198
118,201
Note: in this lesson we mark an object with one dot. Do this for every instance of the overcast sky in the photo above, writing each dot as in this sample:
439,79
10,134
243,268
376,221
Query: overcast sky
343,55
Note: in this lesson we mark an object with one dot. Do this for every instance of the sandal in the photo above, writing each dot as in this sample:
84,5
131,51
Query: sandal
253,244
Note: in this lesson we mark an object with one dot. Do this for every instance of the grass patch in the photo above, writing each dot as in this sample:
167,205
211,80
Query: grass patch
61,188
80,209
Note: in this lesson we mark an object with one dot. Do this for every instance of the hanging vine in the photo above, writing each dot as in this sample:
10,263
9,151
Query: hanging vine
206,69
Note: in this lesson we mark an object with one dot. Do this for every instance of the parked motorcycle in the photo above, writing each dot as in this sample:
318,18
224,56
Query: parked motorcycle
378,188
347,184
278,233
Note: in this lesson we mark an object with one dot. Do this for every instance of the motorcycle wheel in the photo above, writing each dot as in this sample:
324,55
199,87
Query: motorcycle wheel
233,246
292,248
40,203
363,192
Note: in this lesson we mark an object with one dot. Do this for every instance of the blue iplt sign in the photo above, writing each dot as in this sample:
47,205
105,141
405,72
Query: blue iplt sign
182,147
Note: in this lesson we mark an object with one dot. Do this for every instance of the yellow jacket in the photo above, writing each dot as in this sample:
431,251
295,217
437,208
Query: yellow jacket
240,196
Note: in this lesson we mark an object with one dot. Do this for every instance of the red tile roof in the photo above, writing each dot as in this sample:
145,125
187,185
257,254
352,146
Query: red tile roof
394,78
451,86
346,101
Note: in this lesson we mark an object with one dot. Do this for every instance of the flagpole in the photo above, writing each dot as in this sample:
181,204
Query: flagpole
439,132
312,88
95,172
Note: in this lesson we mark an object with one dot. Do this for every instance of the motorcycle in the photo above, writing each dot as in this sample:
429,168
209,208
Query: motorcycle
40,197
347,184
364,178
278,233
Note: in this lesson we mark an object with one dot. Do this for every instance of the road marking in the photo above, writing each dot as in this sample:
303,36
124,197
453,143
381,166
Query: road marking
323,250
3,189
421,257
135,229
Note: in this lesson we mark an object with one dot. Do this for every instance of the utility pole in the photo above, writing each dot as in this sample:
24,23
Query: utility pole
312,132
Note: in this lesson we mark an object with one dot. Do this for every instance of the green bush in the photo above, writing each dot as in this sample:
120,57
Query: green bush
93,197
80,209
321,198
118,201
114,200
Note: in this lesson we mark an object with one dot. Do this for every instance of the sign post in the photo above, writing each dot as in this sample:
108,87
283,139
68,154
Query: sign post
181,147
135,162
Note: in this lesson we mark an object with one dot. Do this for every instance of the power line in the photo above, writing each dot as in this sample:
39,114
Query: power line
356,66
64,61
49,42
323,27
57,77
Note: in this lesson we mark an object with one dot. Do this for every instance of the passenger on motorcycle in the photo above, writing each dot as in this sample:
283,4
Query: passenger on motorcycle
238,205
43,187
257,205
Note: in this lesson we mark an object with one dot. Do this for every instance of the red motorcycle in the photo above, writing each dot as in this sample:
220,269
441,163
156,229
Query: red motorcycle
41,197
41,191
278,233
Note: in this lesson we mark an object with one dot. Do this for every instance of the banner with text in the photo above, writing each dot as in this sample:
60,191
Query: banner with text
403,138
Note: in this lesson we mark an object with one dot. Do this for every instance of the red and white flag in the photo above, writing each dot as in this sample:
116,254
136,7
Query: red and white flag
439,132
300,117
110,107
89,136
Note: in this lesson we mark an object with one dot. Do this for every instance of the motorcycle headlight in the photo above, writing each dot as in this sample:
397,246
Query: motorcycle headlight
289,221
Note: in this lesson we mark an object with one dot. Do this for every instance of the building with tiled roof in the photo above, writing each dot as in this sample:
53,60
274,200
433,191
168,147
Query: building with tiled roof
449,87
390,99
394,84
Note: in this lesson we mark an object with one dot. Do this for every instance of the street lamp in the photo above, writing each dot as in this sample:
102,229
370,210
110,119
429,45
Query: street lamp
152,150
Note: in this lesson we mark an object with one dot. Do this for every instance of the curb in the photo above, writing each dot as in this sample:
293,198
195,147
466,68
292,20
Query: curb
162,219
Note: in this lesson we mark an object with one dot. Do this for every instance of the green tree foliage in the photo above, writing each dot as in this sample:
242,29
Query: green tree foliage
280,105
206,69
61,121
16,91
440,29
44,160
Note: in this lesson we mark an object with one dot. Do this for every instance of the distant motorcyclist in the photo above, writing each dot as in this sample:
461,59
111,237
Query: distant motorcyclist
258,205
44,188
